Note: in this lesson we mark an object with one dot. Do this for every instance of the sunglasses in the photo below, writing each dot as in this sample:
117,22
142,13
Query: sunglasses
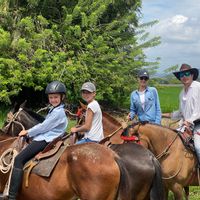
144,78
186,74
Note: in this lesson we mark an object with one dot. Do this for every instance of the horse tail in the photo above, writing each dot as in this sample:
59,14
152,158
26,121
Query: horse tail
124,183
157,188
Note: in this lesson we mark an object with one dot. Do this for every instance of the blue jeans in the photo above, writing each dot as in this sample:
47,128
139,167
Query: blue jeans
85,140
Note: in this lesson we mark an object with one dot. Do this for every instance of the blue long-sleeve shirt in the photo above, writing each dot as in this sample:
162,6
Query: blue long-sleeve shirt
151,111
53,126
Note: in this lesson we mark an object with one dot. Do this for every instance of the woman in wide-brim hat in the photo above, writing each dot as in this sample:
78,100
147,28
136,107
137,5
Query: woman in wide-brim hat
183,71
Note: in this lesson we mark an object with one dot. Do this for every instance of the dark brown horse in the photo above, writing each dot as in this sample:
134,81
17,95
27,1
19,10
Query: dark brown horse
95,172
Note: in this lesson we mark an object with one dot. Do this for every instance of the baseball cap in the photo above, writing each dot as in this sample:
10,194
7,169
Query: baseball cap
143,73
89,86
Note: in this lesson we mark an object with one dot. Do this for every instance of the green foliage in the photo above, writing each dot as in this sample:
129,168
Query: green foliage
169,98
72,41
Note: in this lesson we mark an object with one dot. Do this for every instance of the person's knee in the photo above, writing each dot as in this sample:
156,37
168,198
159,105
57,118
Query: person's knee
18,163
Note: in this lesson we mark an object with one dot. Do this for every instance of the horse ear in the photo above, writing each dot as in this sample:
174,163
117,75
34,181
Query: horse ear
83,106
23,104
15,108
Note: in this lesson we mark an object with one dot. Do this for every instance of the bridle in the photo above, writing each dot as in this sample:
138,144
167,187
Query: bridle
13,119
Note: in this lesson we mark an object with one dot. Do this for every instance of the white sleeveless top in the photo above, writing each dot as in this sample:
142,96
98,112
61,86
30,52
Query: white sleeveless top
96,131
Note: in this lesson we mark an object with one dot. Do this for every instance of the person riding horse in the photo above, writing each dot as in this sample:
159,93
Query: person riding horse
53,126
189,107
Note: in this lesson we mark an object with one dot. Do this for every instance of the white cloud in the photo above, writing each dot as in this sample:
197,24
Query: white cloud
179,28
179,19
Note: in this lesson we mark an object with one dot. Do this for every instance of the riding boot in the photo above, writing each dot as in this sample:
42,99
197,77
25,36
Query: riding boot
15,183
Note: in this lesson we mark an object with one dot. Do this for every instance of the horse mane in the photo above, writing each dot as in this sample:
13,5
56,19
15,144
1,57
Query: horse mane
34,115
111,118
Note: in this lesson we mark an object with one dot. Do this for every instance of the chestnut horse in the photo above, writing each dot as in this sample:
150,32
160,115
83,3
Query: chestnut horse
94,172
177,162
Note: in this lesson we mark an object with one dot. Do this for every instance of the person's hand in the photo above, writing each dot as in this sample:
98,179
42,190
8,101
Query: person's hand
166,115
74,130
23,133
187,124
128,117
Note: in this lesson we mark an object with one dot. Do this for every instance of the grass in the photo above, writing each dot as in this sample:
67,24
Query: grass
3,112
169,97
194,193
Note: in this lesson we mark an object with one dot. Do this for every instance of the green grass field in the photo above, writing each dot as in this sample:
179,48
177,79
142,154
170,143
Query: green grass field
169,97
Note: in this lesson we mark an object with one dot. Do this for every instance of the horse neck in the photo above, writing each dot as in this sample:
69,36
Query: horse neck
27,120
156,137
110,124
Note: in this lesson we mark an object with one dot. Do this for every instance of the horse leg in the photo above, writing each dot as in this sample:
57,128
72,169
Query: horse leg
166,193
186,192
177,189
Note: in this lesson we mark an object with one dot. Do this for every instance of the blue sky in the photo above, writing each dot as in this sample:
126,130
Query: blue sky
179,28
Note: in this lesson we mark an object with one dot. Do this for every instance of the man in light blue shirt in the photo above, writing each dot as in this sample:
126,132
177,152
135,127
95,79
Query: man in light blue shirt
145,102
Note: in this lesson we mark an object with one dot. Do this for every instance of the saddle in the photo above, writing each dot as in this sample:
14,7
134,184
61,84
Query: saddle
44,162
187,139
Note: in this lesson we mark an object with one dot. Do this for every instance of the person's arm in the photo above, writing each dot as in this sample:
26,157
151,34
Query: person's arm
87,125
132,108
48,124
166,115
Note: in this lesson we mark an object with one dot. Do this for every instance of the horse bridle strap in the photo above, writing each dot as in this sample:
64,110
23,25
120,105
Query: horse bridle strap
13,119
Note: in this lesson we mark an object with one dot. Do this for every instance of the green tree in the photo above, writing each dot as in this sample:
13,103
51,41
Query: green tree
71,41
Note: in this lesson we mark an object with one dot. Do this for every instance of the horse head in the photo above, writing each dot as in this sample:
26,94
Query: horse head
19,120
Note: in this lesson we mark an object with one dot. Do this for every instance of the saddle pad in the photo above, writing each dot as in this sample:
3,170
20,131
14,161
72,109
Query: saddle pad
46,166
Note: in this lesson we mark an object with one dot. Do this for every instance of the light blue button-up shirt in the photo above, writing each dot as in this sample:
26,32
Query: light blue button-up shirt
151,111
53,126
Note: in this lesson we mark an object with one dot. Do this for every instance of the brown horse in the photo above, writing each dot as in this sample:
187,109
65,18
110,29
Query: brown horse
85,174
177,162
95,172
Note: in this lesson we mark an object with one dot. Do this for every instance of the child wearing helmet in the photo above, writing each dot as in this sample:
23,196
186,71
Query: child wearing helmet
93,127
42,134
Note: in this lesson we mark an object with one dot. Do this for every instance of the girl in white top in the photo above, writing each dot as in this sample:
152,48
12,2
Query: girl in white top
93,127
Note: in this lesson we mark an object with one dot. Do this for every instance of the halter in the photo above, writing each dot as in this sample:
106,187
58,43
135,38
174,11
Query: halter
14,120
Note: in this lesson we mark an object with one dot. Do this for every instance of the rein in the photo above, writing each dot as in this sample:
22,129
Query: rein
113,133
166,149
110,135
